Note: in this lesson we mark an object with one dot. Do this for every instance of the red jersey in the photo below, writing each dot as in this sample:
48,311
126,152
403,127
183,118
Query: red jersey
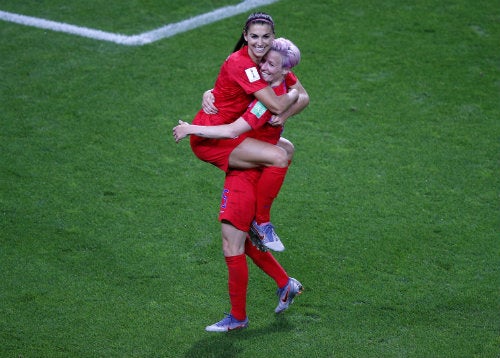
258,116
238,79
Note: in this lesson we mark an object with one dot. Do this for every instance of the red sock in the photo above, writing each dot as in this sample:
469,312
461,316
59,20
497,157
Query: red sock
267,263
268,187
237,284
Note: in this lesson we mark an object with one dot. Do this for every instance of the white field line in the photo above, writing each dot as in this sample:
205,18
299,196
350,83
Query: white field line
143,38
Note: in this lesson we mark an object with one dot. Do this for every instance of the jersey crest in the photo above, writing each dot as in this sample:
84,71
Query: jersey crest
252,74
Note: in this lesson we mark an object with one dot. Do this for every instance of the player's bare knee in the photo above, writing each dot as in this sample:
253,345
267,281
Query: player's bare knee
288,147
280,158
290,151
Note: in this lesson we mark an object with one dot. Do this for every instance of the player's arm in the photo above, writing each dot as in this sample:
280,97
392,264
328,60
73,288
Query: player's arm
276,104
222,131
297,107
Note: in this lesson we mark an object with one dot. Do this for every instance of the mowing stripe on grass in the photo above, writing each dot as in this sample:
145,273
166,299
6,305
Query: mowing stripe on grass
143,38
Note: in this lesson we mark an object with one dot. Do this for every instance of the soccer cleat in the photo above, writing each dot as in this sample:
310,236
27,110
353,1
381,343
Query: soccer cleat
255,239
267,236
228,323
287,294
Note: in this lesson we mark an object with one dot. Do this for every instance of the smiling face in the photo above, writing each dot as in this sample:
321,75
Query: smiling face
271,68
259,38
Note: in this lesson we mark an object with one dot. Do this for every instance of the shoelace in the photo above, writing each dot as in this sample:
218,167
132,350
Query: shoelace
226,320
268,230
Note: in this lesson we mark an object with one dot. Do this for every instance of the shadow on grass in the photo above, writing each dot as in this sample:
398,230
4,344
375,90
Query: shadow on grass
225,345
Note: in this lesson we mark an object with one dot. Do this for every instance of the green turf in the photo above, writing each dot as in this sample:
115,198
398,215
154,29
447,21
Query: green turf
127,17
110,245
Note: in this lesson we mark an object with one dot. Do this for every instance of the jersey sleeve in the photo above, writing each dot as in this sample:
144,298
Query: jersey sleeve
247,75
257,115
290,79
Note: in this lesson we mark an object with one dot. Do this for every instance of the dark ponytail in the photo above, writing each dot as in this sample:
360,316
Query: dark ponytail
241,42
255,18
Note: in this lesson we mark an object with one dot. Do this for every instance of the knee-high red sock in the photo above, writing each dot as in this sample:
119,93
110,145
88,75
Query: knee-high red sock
267,263
237,284
268,187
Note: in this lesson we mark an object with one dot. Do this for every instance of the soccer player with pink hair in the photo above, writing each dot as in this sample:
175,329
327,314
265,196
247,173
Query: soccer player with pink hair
240,196
259,124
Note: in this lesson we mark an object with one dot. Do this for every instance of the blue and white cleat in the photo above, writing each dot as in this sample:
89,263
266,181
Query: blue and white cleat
267,235
287,294
228,323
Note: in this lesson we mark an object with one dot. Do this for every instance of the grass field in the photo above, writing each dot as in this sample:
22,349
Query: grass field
110,245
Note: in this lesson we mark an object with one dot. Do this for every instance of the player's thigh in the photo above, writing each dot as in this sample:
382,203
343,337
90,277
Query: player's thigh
252,153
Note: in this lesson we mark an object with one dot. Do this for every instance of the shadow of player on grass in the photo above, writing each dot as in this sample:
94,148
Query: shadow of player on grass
226,345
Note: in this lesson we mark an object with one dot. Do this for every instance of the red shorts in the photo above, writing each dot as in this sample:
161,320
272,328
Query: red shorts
215,151
238,198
